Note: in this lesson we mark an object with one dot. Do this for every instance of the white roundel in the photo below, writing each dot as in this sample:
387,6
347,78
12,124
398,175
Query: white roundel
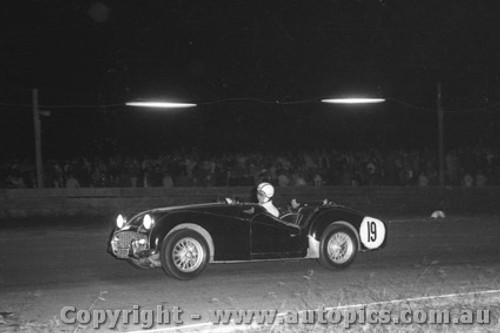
372,232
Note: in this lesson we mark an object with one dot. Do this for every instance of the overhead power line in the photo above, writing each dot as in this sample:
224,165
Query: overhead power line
248,99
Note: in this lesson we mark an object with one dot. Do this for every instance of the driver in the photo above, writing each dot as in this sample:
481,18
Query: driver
265,192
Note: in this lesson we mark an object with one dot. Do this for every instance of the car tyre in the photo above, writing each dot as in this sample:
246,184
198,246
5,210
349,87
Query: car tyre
184,254
338,247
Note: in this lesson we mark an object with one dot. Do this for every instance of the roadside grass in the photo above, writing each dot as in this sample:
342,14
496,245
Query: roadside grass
429,317
12,321
397,297
414,310
423,312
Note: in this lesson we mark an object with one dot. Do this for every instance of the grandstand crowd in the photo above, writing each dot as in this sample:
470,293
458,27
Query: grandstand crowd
471,166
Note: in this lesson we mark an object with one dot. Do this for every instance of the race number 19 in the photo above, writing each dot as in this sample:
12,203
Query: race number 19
372,232
371,229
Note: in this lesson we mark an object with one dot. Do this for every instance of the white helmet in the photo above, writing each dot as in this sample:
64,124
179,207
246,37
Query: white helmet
266,189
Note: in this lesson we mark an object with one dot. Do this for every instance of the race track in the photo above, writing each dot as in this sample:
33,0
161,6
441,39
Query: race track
49,264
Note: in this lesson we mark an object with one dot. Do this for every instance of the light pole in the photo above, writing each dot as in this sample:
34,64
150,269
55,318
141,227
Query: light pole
440,135
38,130
439,116
38,140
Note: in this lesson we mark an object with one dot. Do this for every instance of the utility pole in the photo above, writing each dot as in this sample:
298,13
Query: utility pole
38,140
440,135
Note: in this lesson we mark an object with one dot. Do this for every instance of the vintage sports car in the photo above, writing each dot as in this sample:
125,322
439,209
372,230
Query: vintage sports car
184,239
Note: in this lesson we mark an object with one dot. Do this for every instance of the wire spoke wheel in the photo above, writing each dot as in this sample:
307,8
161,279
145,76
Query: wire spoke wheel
188,254
340,247
184,254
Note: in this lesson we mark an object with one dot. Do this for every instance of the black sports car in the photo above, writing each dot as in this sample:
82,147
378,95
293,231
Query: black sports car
184,239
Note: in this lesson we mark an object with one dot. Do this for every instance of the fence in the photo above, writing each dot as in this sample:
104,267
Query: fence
384,201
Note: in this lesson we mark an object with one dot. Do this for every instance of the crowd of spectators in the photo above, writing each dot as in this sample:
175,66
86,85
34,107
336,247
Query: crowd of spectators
463,167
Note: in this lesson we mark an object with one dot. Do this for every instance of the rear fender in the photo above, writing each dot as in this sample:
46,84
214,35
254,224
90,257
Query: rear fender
323,219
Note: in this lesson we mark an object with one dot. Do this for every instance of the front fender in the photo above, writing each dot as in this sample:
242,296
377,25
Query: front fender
228,237
199,229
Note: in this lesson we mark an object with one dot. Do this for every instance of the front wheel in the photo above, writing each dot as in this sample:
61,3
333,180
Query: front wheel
184,254
338,247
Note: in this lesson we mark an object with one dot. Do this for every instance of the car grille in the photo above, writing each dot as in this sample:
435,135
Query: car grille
121,243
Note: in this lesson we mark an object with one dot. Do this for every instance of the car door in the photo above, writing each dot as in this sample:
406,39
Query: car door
272,238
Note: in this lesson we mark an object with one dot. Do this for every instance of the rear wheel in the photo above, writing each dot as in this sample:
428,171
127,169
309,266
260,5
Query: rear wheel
184,254
338,247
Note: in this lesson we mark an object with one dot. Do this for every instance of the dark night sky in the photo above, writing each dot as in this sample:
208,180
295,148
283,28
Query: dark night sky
257,68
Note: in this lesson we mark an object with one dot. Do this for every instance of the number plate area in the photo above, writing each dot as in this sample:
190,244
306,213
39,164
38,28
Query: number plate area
372,232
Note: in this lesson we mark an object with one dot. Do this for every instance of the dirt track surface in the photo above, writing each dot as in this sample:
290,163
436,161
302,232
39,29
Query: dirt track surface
47,266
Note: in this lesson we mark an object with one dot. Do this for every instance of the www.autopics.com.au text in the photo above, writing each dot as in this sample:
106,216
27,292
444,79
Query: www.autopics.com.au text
161,315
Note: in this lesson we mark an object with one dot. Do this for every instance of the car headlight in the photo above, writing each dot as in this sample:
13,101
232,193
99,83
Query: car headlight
147,221
120,221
